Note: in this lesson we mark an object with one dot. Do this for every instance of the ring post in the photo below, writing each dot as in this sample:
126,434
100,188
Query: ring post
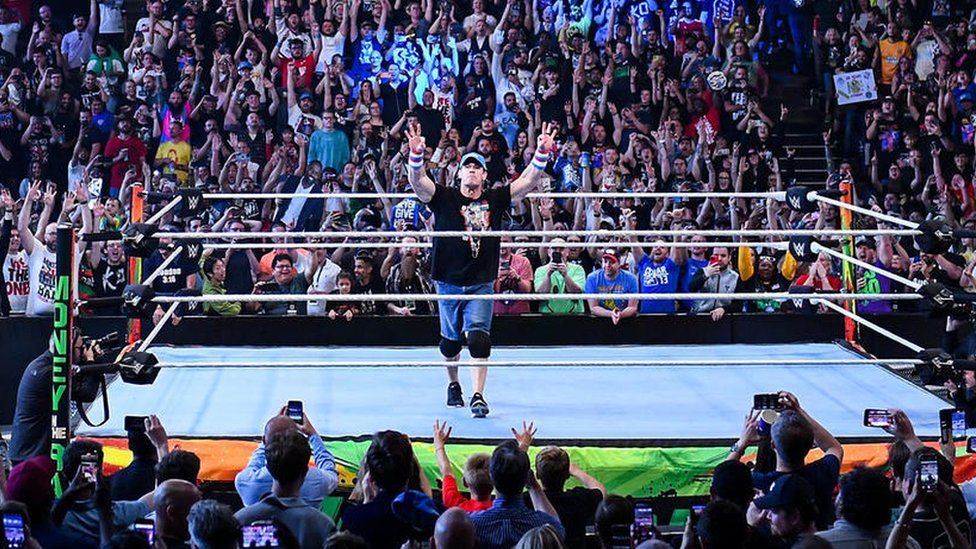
135,263
63,347
850,327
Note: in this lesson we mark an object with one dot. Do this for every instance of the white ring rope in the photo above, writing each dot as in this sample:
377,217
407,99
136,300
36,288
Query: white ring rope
868,324
515,245
288,298
553,233
533,363
816,247
867,212
778,195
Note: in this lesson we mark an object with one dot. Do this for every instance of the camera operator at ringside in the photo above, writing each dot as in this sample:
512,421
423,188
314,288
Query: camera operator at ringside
31,434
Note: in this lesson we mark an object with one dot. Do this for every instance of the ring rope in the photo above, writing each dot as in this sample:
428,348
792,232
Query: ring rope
536,233
867,212
535,364
383,245
913,284
871,325
287,298
779,195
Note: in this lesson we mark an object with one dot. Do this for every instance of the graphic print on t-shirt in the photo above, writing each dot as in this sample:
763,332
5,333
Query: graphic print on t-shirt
477,217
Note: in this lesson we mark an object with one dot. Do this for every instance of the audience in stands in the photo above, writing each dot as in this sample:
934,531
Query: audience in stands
308,97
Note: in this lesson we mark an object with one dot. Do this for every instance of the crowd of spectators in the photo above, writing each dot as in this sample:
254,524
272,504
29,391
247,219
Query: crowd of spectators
314,96
778,497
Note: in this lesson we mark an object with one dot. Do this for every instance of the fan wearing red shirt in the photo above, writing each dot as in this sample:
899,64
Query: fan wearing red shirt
477,479
819,275
299,66
124,150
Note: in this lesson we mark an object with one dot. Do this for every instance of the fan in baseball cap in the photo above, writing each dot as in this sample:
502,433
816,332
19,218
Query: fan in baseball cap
611,254
476,158
788,491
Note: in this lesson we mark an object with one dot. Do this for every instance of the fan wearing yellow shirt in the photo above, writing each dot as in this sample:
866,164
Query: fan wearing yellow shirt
173,156
893,48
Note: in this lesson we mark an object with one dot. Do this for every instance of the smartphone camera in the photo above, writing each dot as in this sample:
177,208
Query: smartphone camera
928,473
557,256
877,417
260,534
135,424
766,401
296,411
13,530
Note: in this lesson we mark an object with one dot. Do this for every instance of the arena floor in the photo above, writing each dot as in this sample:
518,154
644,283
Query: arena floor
620,405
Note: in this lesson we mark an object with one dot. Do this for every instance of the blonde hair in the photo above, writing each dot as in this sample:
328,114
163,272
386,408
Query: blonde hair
477,476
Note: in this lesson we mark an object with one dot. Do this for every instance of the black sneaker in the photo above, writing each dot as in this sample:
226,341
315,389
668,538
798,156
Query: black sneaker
479,408
454,397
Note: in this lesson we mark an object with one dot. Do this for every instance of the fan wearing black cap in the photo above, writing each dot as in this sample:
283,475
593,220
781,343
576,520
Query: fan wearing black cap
789,508
468,265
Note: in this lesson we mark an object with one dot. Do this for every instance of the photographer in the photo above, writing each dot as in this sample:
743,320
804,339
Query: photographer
31,434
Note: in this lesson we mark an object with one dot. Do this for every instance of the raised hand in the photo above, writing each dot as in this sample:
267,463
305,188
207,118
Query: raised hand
50,195
546,141
442,433
416,139
34,193
525,436
6,200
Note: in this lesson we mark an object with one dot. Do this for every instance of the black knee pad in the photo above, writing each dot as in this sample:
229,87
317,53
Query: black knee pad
450,348
479,344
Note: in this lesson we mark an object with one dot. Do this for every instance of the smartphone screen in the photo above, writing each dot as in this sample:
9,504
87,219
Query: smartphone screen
928,473
13,530
765,401
643,528
89,467
877,417
147,528
260,535
295,411
959,424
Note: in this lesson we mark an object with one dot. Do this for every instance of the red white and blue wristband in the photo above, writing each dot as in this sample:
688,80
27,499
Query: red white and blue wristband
540,160
415,161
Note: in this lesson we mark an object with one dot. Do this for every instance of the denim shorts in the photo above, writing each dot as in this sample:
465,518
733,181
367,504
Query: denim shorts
461,316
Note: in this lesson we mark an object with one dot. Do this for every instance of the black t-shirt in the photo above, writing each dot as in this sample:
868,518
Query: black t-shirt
173,277
110,279
375,286
576,509
474,260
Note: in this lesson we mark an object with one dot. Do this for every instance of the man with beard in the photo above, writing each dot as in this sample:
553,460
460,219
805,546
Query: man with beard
468,265
126,151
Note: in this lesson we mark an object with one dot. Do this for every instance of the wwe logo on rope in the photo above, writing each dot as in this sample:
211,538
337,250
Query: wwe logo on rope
192,202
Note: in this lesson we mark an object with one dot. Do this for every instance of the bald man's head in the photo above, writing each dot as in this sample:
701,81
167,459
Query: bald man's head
173,499
454,530
278,425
